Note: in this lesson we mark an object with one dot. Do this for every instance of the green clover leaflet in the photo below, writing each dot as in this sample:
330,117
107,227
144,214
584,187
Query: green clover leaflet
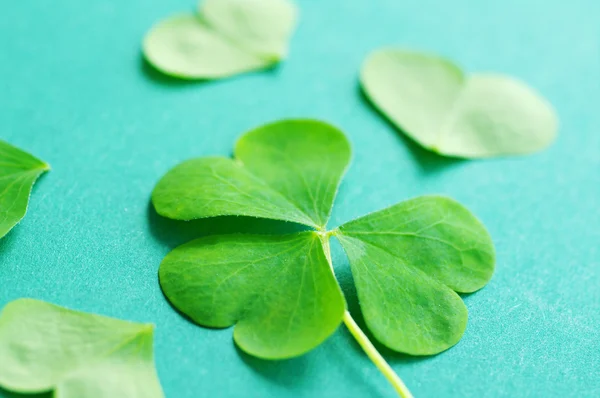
18,172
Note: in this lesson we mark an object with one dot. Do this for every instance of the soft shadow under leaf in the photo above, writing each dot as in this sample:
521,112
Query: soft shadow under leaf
287,372
156,76
9,394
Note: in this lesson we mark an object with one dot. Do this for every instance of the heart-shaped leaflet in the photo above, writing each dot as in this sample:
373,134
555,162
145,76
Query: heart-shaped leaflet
432,101
227,37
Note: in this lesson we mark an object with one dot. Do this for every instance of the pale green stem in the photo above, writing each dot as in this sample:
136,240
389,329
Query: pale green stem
364,341
376,357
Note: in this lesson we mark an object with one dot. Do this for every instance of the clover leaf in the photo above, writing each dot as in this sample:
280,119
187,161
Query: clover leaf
280,292
432,101
45,347
227,37
278,173
408,261
18,172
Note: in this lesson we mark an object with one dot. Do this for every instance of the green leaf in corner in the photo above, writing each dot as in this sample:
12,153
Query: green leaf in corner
45,347
277,290
228,37
18,172
408,261
432,101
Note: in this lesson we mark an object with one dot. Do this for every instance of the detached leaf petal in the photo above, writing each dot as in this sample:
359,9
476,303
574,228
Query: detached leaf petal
288,170
184,46
46,347
407,261
227,38
262,27
433,102
18,172
278,290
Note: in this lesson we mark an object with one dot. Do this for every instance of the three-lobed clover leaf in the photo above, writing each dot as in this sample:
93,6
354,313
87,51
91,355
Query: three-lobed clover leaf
45,347
408,261
228,37
433,102
18,172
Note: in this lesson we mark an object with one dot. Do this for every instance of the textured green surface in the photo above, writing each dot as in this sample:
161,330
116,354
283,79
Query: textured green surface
46,347
76,94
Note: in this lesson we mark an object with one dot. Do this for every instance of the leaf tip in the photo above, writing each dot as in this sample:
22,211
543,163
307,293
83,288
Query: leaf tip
147,329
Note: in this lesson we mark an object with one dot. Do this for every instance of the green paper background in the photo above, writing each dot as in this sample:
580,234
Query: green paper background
75,92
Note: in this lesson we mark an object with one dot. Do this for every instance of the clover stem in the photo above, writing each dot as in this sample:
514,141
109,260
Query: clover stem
362,339
376,357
